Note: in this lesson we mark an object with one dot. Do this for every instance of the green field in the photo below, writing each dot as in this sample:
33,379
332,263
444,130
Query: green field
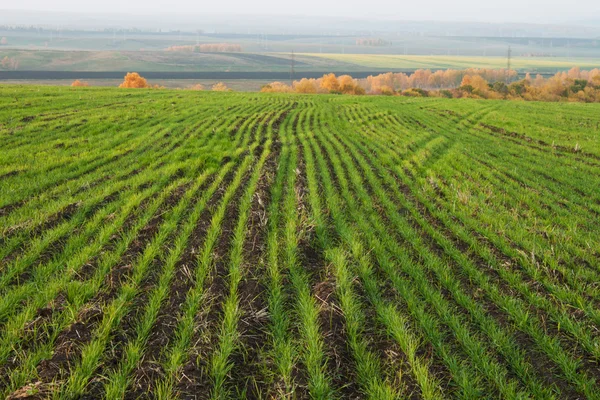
170,244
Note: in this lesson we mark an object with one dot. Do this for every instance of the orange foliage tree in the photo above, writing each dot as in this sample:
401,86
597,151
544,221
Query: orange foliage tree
134,80
305,85
371,42
574,85
330,83
276,87
220,87
78,83
349,85
209,48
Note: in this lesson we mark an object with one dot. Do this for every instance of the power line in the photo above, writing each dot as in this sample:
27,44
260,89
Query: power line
508,64
292,70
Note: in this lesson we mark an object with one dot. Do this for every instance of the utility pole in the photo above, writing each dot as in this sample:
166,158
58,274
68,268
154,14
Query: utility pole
508,64
292,71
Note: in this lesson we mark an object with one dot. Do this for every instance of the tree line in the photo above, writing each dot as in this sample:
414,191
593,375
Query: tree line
208,48
372,42
134,80
573,85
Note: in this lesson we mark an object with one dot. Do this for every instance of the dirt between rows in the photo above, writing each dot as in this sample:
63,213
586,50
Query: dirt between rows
149,371
69,343
546,369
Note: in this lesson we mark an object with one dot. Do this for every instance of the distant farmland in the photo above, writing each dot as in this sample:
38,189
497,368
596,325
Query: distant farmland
176,244
187,62
383,61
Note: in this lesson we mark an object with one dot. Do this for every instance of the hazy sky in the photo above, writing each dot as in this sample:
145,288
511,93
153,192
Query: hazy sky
540,11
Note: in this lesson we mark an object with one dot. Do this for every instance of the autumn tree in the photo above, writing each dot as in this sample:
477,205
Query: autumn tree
134,80
197,86
574,85
220,87
475,85
574,73
330,83
276,87
305,85
78,83
371,42
349,85
208,48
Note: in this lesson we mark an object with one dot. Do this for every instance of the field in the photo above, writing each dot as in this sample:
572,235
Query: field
172,244
163,61
411,62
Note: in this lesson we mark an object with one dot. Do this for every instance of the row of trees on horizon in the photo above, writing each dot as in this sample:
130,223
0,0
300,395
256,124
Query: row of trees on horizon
573,85
208,48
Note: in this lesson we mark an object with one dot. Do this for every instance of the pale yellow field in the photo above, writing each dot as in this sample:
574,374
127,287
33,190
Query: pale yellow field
413,62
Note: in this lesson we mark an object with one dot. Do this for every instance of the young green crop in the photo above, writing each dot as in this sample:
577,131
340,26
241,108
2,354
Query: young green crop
407,247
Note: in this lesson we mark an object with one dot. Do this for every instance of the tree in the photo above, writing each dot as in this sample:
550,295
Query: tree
276,87
134,80
197,86
305,86
330,83
387,91
518,88
578,85
4,41
500,87
349,85
78,83
210,48
479,84
220,87
574,73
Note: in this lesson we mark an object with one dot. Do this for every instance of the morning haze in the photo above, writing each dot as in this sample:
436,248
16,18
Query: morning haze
537,11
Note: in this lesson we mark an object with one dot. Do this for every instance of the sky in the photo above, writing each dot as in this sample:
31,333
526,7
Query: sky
536,11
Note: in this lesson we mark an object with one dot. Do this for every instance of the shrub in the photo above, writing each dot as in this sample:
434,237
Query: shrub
78,83
135,81
276,87
220,87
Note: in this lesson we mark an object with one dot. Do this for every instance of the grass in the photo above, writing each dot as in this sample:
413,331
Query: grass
172,243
